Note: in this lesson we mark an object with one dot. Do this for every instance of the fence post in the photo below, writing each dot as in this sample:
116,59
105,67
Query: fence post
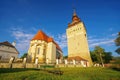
66,63
11,61
57,61
24,63
47,61
74,63
36,62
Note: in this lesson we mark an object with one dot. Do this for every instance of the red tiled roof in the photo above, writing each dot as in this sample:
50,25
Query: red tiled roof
42,36
77,58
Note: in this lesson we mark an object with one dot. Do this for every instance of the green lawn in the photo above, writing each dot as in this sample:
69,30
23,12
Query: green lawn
69,74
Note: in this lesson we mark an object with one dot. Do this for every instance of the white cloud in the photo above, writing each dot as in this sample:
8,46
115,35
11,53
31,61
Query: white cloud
61,40
114,34
110,29
22,38
94,41
98,43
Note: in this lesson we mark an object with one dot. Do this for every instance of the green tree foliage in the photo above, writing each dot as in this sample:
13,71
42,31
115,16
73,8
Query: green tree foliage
107,57
94,57
118,50
117,42
65,57
24,55
116,63
116,60
99,53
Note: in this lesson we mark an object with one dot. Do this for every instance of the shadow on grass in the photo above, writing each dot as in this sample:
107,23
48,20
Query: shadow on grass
12,70
55,71
116,69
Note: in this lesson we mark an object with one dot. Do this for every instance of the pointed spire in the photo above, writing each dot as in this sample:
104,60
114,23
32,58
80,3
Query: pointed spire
75,18
74,12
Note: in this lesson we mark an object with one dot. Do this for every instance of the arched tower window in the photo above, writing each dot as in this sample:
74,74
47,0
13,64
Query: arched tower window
85,35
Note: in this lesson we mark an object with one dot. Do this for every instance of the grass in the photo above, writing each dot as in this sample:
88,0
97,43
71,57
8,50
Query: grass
69,74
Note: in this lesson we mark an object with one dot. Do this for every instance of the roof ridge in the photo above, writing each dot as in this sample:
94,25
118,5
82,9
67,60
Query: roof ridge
42,36
6,43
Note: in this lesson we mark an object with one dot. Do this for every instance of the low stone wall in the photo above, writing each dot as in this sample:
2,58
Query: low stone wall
68,65
32,65
17,65
4,65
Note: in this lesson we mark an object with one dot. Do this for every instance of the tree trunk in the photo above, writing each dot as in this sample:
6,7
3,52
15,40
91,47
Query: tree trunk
101,60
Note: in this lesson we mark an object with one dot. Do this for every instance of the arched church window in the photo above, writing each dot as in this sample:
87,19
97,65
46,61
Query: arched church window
44,52
38,50
0,57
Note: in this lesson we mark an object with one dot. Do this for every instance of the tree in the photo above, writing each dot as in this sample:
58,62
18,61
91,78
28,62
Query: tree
117,42
107,57
99,55
65,57
118,51
94,57
116,60
100,52
24,55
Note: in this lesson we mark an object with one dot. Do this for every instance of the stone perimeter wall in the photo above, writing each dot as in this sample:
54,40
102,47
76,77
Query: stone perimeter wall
16,65
32,65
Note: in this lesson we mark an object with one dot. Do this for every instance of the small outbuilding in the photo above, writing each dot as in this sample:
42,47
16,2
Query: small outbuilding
78,60
8,50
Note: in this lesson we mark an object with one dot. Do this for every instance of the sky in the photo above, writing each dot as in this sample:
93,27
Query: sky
20,20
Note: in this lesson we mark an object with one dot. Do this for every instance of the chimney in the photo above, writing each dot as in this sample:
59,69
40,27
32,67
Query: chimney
14,43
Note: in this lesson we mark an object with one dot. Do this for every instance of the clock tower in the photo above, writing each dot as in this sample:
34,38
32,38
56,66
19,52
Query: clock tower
77,39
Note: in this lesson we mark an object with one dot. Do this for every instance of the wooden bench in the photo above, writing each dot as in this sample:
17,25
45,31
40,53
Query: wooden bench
56,71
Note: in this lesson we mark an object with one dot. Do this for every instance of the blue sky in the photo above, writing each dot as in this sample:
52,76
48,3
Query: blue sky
21,19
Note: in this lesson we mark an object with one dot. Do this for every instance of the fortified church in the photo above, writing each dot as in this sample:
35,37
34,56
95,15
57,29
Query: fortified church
45,49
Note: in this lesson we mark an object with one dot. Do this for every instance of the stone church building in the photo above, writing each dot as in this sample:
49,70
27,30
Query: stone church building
44,48
78,49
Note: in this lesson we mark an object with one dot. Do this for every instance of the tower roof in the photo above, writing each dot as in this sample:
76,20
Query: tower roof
75,19
42,36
